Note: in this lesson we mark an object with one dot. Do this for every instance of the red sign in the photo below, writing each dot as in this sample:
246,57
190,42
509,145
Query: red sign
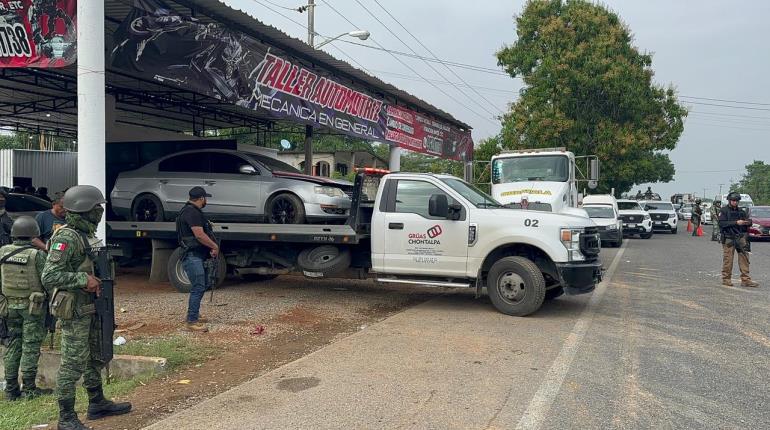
417,132
38,33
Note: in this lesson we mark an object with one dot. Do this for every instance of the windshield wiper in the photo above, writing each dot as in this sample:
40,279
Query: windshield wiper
489,205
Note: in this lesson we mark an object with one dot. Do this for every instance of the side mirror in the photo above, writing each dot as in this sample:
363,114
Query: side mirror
593,166
455,212
438,206
247,169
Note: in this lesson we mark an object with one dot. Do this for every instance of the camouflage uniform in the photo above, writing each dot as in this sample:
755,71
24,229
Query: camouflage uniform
716,231
66,269
25,331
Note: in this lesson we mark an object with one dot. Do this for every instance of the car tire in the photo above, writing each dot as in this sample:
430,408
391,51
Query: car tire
646,235
256,277
147,208
178,277
323,261
285,208
516,286
674,230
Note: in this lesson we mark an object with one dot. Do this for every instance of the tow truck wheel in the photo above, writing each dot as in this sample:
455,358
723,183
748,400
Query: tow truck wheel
516,286
147,208
323,261
178,277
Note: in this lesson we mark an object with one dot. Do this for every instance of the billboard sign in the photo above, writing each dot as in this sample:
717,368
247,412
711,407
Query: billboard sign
38,33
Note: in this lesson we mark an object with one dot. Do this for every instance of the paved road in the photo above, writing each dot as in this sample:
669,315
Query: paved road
659,345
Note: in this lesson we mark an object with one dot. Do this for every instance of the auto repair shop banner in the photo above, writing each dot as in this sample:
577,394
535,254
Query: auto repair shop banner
157,43
38,33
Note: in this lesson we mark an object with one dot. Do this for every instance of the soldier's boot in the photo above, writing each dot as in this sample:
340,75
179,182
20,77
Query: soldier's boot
68,418
30,389
99,407
12,391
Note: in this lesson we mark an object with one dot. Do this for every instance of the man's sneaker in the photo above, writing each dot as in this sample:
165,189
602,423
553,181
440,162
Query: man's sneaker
727,283
750,284
197,327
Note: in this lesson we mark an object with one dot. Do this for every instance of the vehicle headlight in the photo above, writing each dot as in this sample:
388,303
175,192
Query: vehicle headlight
670,216
612,227
570,238
756,226
646,217
330,191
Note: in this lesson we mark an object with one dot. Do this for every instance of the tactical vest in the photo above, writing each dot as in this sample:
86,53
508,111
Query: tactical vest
86,244
19,273
189,243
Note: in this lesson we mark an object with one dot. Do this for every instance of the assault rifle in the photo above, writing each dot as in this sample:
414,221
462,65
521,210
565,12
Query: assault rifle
104,302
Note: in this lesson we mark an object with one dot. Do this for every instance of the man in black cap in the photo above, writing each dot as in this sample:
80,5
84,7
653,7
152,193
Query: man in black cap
196,238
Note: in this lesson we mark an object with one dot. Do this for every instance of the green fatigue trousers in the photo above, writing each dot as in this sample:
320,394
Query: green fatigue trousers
27,333
79,352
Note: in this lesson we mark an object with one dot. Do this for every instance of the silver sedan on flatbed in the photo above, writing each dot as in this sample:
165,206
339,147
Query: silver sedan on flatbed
244,187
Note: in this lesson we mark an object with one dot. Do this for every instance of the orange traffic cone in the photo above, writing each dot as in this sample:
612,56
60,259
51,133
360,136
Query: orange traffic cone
689,226
699,232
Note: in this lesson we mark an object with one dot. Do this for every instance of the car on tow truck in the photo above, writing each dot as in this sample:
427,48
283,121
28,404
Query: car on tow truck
663,216
420,229
635,219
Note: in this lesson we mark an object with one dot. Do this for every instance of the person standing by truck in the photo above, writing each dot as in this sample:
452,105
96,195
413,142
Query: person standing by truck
735,222
49,221
196,237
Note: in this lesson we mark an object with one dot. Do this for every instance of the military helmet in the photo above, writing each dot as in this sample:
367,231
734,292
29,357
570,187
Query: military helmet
698,201
82,198
24,227
734,196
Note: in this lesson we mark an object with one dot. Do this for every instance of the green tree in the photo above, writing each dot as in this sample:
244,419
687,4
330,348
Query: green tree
756,183
589,89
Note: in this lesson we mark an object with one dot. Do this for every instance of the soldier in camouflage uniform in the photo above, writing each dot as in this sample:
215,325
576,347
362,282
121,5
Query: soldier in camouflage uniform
69,269
716,231
21,265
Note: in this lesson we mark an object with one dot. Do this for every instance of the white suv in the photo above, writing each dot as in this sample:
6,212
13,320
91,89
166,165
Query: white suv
635,219
662,214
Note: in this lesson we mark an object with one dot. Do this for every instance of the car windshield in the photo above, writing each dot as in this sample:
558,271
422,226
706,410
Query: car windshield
659,207
629,206
599,211
474,195
553,168
760,212
274,165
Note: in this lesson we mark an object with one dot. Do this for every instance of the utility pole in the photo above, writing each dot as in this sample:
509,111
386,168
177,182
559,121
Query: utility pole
720,190
309,128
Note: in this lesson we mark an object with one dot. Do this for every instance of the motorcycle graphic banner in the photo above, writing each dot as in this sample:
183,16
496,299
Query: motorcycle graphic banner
38,33
156,42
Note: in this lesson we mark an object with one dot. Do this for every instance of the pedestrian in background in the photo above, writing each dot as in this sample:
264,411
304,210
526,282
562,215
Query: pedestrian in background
715,231
5,220
735,222
51,220
696,217
21,266
196,237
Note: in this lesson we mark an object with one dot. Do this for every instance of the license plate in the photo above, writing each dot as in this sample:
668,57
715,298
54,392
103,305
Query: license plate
632,225
658,223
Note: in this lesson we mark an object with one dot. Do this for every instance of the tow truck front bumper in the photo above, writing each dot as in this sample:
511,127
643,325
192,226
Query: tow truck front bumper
579,277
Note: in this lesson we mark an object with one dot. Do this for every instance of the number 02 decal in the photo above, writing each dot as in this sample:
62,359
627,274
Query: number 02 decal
531,222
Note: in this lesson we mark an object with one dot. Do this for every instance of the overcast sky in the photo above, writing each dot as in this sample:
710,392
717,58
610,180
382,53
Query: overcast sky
705,48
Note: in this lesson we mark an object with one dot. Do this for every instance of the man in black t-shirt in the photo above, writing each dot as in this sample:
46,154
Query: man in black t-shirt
196,237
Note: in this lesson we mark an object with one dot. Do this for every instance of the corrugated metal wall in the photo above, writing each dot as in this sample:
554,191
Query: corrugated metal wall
52,169
6,168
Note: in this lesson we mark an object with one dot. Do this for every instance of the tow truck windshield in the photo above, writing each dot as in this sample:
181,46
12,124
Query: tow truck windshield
552,168
474,195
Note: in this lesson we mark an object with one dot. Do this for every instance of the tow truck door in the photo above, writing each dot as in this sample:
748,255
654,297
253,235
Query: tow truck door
416,242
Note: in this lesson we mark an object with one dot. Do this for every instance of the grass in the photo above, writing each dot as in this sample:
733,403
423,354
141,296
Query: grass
177,350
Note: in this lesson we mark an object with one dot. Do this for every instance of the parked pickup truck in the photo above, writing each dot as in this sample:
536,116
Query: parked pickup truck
412,228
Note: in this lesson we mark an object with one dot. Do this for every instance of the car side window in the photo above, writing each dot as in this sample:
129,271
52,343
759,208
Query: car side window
226,163
413,196
194,162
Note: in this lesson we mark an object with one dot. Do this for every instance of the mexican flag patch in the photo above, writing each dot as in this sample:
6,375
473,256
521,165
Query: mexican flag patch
60,246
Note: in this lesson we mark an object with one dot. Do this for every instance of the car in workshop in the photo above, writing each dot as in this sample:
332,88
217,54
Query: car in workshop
245,187
663,216
636,221
760,227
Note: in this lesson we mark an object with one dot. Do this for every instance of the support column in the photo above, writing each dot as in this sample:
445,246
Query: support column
308,150
394,163
91,100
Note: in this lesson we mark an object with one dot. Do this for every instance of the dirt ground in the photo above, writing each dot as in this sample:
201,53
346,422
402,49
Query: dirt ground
298,316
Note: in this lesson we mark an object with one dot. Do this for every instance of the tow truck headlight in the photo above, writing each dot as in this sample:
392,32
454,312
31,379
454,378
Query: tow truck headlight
330,191
570,238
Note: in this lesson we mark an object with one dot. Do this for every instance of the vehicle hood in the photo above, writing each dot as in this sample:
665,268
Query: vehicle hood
604,222
658,211
567,220
314,179
536,191
632,212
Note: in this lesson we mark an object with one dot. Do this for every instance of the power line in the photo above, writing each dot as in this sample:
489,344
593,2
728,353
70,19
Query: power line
432,54
728,126
411,68
727,106
725,100
730,115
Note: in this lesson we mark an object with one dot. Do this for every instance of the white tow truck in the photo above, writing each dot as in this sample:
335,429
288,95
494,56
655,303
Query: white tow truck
410,228
542,179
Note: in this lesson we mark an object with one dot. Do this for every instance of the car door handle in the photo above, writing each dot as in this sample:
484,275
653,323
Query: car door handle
396,226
